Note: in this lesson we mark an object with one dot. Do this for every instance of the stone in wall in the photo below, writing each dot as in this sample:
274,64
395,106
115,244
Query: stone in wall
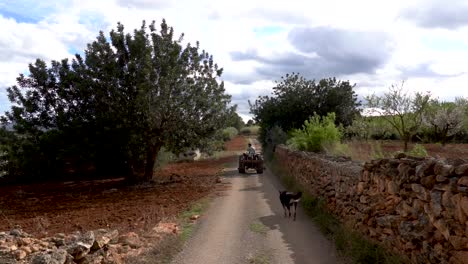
416,206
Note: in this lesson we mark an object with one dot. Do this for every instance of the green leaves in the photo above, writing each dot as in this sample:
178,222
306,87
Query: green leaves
315,133
402,110
295,99
130,95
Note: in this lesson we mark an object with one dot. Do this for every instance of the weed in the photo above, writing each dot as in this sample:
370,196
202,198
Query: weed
261,258
418,151
187,225
258,228
376,151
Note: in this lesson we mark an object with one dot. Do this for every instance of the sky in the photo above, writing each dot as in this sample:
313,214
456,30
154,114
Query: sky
373,44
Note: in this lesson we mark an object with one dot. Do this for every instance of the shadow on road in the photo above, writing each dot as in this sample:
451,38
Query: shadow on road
253,188
233,173
302,237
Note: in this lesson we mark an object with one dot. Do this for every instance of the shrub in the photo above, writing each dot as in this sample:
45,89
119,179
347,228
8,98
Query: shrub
418,151
212,144
270,138
315,133
245,131
276,135
164,157
229,133
250,130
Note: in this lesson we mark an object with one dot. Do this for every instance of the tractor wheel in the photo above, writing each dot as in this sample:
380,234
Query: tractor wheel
241,170
260,170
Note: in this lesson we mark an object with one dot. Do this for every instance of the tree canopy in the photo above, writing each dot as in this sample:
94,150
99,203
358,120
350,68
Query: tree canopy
295,99
113,109
402,110
445,119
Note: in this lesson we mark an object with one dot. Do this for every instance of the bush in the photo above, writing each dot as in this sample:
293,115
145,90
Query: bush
212,144
249,130
418,151
229,133
276,135
245,131
315,133
164,157
270,138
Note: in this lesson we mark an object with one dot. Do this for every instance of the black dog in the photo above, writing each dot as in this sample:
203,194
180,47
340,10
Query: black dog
289,198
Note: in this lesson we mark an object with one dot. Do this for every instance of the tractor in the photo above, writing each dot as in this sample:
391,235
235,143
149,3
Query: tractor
251,162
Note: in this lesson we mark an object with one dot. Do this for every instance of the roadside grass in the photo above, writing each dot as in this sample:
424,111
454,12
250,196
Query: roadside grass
352,246
260,258
187,224
258,228
223,154
169,246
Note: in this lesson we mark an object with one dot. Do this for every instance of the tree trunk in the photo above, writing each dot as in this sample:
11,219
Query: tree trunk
151,155
134,170
444,141
444,136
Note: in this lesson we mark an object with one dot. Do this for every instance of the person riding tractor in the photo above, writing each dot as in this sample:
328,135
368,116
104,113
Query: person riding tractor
250,160
250,153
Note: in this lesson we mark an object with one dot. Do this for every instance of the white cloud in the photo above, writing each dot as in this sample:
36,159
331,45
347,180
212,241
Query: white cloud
429,57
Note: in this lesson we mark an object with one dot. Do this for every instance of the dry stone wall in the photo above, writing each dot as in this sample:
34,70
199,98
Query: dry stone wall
417,207
98,246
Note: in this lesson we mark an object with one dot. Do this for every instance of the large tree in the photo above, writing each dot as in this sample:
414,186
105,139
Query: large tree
295,99
402,110
130,95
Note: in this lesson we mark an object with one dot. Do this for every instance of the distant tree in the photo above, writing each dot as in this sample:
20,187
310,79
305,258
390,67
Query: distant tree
445,119
131,95
295,99
361,128
370,127
403,111
250,122
233,119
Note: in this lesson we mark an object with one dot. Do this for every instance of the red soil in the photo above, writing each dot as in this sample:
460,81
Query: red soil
47,209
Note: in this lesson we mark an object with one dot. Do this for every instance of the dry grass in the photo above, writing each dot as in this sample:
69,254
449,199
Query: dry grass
373,149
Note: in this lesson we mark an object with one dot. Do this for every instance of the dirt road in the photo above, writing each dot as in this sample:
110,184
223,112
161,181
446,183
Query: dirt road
246,225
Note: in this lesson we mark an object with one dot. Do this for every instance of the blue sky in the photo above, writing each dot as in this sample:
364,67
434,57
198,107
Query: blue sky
267,30
371,43
25,11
